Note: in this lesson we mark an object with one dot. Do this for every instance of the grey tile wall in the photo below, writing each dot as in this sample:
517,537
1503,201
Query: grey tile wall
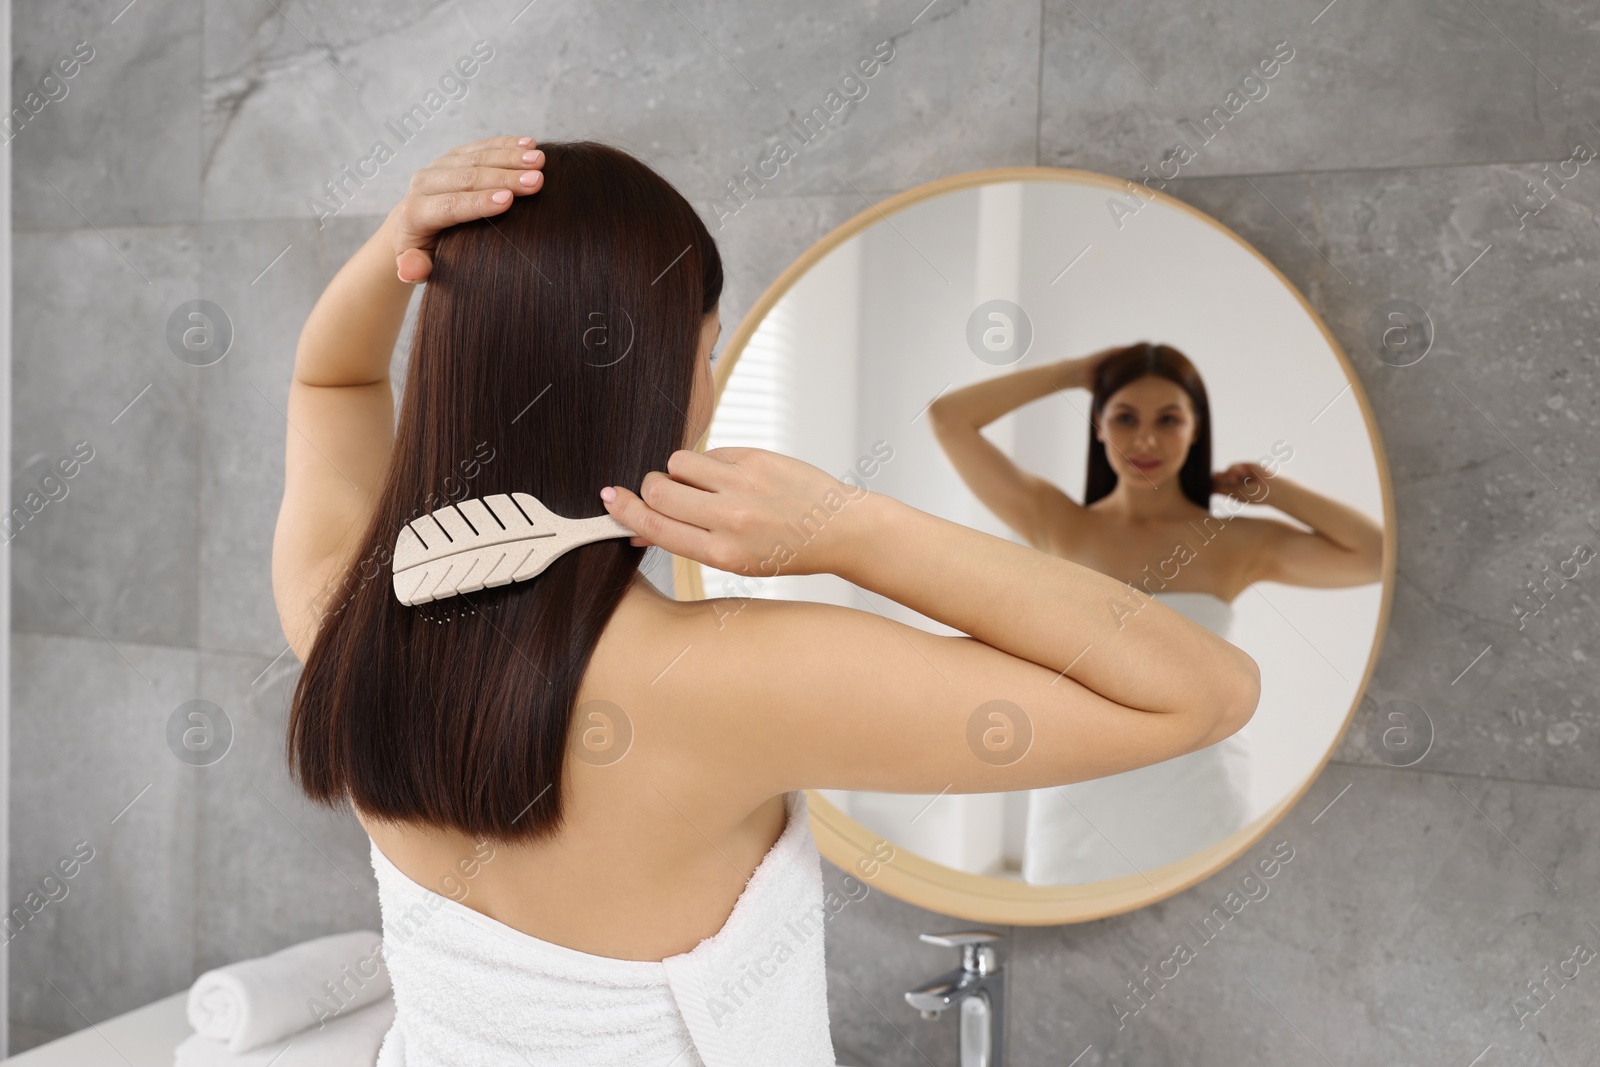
1383,161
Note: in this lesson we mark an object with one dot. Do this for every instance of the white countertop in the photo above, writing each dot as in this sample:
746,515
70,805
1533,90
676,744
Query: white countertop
144,1037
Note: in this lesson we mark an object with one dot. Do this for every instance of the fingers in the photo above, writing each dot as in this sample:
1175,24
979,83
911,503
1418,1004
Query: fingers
696,470
677,537
709,471
510,140
731,453
427,215
474,182
413,265
515,169
466,194
504,156
680,500
469,179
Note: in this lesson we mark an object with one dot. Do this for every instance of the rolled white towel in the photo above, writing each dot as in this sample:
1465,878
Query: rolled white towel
351,1040
259,1001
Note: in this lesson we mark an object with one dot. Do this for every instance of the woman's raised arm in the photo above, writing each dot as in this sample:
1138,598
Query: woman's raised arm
1027,503
340,406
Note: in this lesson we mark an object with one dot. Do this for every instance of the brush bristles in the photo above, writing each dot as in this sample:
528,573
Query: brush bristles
449,610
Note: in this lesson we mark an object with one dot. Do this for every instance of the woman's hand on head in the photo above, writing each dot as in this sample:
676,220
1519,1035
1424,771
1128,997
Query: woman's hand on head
744,511
1233,481
460,186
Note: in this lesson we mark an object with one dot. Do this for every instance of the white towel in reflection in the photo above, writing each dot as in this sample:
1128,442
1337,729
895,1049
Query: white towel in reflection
1146,818
350,1039
259,1001
1139,820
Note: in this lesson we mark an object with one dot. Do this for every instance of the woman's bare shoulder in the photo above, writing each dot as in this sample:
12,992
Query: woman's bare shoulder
659,658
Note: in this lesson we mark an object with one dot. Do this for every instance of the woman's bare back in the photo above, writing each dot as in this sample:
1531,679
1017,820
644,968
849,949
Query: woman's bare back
654,850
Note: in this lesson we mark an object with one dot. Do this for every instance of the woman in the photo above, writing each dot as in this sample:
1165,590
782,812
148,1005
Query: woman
657,897
1146,520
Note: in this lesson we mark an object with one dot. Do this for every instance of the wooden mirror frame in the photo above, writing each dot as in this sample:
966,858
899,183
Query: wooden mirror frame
984,898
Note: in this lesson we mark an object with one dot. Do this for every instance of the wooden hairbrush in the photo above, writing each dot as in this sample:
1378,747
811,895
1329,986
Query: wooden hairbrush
485,542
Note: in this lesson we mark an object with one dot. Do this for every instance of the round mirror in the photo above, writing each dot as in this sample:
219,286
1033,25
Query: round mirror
1097,370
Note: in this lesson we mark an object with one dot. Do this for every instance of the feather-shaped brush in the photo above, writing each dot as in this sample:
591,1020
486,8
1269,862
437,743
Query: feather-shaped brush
486,542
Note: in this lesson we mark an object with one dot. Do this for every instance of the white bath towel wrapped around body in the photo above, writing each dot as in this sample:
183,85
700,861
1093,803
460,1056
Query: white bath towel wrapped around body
473,992
1148,817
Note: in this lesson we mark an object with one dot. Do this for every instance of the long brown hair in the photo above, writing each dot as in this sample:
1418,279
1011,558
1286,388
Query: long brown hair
1128,364
554,353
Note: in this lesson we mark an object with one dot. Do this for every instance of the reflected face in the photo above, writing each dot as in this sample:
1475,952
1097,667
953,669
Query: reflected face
700,403
1148,426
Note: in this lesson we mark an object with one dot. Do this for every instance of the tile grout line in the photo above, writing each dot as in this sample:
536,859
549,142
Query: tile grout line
1038,101
1469,775
1177,181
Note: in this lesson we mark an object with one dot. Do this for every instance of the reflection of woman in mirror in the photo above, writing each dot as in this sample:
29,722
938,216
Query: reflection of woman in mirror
1146,519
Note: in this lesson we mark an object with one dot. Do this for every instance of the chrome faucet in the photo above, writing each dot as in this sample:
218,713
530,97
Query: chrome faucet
978,987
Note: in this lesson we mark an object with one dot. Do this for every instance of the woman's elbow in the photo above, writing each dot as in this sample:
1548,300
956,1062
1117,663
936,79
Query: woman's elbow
1243,695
